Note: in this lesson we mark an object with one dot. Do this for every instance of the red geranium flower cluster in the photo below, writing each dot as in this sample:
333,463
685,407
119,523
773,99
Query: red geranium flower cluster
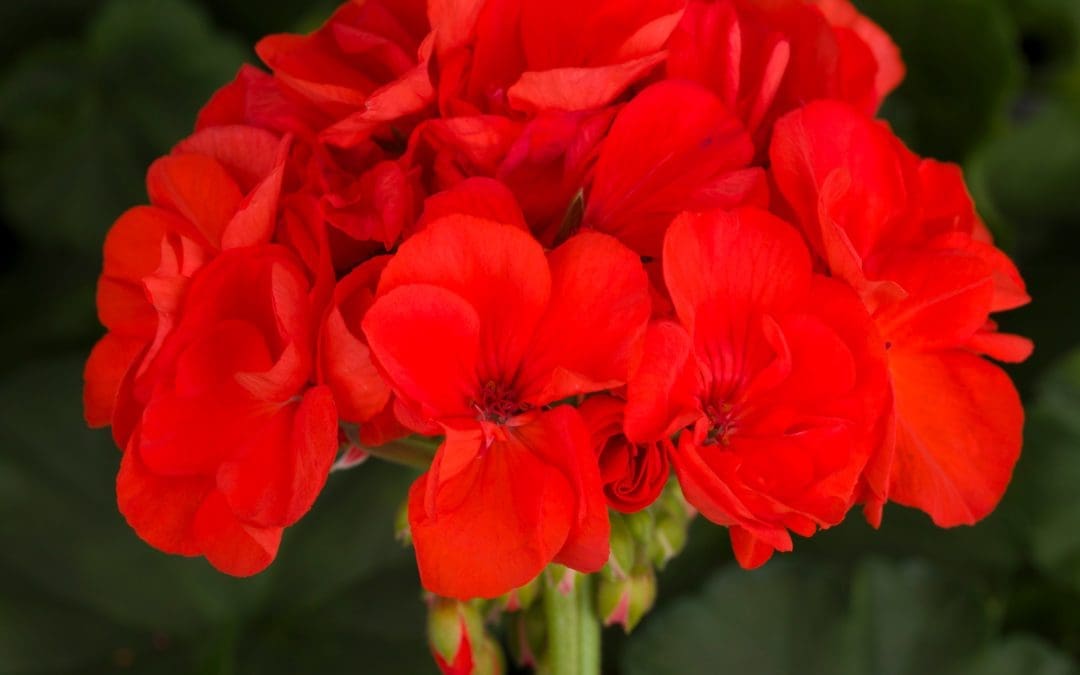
585,243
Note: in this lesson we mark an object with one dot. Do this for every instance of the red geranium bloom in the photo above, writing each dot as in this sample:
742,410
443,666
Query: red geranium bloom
478,331
778,370
633,473
218,190
232,444
904,233
767,57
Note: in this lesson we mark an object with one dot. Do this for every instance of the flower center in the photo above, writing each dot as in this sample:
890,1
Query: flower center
497,403
722,423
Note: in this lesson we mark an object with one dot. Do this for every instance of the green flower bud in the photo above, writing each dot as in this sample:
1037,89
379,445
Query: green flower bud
625,602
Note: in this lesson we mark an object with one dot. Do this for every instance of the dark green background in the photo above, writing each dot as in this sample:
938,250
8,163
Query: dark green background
91,91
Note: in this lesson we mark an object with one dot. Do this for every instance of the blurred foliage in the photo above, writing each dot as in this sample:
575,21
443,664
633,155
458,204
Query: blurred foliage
92,90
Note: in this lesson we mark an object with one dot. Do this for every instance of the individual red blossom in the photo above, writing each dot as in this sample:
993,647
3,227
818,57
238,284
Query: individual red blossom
903,232
217,190
764,58
478,331
778,371
232,444
674,147
633,473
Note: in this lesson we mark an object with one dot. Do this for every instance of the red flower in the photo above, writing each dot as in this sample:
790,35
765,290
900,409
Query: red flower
765,58
633,473
903,232
776,368
232,444
477,331
651,169
218,190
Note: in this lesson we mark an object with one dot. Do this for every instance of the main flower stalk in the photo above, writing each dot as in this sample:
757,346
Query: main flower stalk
573,626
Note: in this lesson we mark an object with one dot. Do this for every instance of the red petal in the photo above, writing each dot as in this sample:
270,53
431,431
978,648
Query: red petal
721,255
482,198
111,359
160,509
498,269
257,215
248,153
494,526
572,89
750,552
286,465
959,423
346,363
716,500
594,322
650,170
562,439
427,341
662,388
810,144
949,295
198,188
232,546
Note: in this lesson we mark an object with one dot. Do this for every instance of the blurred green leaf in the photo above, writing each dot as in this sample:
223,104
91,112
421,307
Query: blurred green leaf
896,618
78,589
82,119
1022,656
23,22
1049,472
963,67
1025,181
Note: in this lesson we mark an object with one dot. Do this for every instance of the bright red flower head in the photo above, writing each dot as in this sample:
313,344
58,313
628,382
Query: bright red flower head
232,444
903,232
217,190
764,58
478,332
776,368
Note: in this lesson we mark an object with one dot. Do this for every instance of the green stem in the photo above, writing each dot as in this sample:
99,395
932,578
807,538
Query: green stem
573,629
416,452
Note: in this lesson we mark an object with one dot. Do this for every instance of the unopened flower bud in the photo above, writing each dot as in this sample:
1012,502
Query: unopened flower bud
521,598
625,602
455,631
669,539
623,547
527,636
401,524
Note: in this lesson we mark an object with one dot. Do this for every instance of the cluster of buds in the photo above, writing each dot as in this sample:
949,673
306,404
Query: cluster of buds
641,544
